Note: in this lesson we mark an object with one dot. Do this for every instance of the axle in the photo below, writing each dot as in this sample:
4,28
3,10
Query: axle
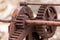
37,22
24,3
42,22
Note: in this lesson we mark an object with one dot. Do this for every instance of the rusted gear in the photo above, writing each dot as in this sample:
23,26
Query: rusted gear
20,26
20,15
20,22
46,13
15,35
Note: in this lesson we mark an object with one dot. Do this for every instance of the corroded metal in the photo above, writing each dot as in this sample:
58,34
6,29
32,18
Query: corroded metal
29,3
21,30
42,22
46,13
39,22
24,25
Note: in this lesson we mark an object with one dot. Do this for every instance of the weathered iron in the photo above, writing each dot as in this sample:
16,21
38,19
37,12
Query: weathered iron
24,25
21,30
46,13
38,22
30,3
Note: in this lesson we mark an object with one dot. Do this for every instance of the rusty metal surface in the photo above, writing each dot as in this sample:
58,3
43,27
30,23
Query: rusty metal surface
29,3
42,22
39,22
46,13
24,25
21,29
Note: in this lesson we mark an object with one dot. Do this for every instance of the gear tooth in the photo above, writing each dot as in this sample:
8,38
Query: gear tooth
20,21
41,11
40,16
15,35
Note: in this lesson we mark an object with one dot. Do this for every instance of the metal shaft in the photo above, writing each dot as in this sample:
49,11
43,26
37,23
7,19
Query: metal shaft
41,22
24,3
7,21
38,22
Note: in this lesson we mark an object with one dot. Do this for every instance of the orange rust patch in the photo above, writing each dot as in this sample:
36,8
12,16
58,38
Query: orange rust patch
15,13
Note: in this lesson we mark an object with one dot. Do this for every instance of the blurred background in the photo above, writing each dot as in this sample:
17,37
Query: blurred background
8,6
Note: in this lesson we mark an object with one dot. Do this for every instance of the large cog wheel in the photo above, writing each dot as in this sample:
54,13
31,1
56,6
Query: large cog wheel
46,13
20,15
